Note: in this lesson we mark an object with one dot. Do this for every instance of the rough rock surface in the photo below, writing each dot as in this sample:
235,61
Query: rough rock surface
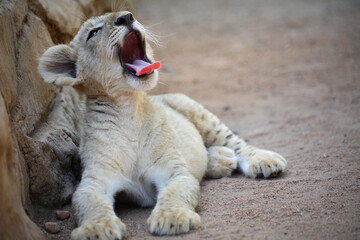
53,162
14,223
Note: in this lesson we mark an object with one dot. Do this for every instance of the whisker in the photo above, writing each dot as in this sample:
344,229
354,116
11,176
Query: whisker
153,36
155,24
163,83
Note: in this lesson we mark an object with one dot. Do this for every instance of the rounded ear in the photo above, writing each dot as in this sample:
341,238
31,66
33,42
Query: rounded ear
58,65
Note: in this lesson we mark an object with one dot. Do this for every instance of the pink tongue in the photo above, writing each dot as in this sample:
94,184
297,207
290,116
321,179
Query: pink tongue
141,67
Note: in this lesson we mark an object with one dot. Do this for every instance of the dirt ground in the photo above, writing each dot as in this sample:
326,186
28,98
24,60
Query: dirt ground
285,75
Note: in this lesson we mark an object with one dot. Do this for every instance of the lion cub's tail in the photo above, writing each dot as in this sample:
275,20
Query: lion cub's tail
213,131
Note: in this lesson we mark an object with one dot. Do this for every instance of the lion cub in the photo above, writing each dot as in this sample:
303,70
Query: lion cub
156,149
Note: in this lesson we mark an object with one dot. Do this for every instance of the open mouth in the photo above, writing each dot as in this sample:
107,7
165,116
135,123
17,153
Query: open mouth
133,58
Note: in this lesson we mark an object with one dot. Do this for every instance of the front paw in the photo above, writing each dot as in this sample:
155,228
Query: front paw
258,163
173,221
111,228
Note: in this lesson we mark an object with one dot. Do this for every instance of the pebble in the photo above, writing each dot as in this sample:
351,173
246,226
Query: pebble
52,227
226,108
62,215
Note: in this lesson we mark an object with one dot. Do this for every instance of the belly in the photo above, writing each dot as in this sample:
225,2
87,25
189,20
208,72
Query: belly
137,191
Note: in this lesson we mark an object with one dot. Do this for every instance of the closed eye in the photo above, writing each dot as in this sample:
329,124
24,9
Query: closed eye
93,33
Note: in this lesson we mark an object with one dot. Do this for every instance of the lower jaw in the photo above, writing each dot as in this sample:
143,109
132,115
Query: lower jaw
144,83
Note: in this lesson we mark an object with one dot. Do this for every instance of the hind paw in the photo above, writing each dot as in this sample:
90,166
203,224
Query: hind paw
264,163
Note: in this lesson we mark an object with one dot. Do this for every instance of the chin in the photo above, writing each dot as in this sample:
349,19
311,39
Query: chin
143,83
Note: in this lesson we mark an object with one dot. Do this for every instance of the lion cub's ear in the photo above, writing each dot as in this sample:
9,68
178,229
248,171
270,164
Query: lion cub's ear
58,65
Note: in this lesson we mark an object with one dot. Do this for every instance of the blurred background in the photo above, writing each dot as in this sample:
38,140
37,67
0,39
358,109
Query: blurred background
283,74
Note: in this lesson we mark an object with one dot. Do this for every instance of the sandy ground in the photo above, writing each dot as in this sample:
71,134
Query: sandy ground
285,75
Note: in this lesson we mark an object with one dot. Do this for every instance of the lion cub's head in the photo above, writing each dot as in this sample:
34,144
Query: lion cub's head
101,57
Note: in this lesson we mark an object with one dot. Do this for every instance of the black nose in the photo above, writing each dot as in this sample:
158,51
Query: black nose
127,19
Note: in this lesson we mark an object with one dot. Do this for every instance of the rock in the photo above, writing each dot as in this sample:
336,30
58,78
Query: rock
14,223
8,81
66,14
33,99
20,10
62,215
53,159
226,108
52,227
13,16
94,7
33,95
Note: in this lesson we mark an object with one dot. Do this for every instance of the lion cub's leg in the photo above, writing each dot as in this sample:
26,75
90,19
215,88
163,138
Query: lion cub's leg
93,205
252,161
222,162
174,211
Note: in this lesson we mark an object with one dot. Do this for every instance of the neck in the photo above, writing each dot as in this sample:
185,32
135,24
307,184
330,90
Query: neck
131,101
126,103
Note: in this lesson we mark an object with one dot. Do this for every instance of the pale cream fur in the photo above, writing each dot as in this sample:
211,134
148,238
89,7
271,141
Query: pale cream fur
155,148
